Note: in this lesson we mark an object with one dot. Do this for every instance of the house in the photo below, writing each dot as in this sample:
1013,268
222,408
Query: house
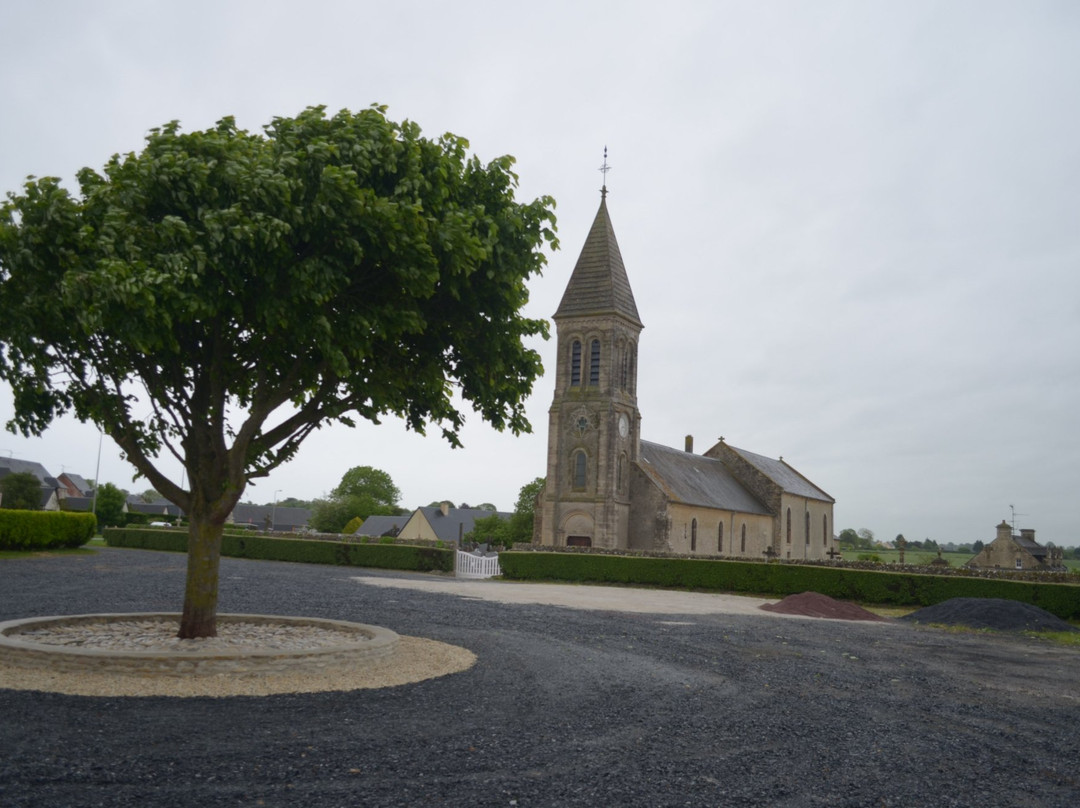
378,525
1018,551
271,517
606,487
50,500
72,485
443,522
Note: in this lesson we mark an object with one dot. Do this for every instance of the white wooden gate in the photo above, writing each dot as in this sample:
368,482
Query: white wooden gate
473,565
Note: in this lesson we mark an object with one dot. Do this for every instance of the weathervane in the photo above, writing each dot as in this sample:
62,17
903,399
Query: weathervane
604,169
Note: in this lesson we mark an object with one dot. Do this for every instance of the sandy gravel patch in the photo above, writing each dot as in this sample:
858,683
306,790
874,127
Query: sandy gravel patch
581,596
414,660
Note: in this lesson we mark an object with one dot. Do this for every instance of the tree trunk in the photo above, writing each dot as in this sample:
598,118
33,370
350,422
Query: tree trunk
201,592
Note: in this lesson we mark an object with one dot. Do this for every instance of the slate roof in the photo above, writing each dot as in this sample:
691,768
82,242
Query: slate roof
457,521
284,518
693,479
161,507
783,475
381,525
598,284
1030,545
24,466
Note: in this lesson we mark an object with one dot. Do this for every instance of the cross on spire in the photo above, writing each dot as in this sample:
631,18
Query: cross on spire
604,169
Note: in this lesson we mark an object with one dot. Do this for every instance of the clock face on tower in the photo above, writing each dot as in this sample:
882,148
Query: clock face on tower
624,426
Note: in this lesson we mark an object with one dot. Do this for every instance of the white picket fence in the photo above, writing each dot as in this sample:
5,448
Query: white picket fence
471,565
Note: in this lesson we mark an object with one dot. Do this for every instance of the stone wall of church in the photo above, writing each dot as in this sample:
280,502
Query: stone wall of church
811,528
649,525
695,530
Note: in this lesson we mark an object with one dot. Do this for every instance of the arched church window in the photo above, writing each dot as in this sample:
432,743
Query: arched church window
807,538
720,538
825,530
693,535
575,363
742,540
789,525
580,465
632,360
594,363
620,472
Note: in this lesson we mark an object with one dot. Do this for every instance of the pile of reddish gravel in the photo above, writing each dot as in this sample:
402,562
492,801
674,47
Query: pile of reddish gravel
992,613
813,604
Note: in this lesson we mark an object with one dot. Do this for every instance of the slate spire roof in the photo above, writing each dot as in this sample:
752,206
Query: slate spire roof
598,284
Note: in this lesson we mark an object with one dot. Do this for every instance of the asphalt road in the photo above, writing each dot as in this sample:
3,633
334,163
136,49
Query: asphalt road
565,707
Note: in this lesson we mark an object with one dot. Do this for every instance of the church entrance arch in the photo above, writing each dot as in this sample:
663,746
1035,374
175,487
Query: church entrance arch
578,529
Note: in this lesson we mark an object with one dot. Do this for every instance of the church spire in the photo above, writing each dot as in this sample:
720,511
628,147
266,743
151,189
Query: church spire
598,284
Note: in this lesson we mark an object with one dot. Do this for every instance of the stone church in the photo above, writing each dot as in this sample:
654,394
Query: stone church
606,487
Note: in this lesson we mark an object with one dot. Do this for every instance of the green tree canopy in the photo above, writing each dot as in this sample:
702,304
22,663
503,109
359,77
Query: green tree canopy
20,491
109,505
221,294
365,481
362,492
518,528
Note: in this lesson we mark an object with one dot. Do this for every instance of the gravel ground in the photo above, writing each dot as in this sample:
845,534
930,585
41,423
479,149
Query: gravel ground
563,708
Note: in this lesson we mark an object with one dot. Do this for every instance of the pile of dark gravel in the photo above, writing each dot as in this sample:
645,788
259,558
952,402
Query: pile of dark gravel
992,613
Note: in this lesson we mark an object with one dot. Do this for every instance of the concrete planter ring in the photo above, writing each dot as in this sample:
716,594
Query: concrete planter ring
248,644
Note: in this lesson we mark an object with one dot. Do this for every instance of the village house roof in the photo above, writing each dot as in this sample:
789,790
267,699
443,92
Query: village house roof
598,284
456,522
381,525
14,466
281,518
693,479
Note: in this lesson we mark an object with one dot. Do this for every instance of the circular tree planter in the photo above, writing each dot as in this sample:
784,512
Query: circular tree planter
275,646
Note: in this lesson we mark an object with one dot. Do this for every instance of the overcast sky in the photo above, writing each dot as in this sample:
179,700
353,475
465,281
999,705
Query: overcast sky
852,228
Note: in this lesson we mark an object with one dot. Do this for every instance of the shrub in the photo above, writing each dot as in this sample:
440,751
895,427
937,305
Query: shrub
45,530
248,545
902,589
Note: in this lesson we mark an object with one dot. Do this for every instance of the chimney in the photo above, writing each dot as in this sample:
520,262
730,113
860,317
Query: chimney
444,507
1004,531
1027,533
690,444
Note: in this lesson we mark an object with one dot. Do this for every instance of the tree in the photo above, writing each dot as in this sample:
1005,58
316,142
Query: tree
849,538
365,481
977,546
866,538
221,294
363,491
150,495
518,528
20,491
109,505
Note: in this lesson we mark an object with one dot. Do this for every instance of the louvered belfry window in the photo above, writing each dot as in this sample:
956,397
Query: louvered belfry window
594,363
575,363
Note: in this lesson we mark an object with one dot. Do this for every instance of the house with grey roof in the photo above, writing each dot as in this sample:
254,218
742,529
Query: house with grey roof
278,518
377,525
606,487
443,522
50,500
1018,551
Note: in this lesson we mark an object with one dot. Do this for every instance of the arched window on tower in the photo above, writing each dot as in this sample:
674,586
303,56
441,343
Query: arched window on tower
807,541
575,364
594,363
720,539
789,525
580,468
693,535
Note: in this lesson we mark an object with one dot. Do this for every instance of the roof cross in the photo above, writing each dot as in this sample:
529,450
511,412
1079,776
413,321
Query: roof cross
604,169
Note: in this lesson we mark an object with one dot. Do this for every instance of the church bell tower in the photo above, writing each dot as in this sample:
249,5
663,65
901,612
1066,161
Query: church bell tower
594,423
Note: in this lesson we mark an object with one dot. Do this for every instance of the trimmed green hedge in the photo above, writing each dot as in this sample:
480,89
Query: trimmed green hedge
310,551
901,589
45,530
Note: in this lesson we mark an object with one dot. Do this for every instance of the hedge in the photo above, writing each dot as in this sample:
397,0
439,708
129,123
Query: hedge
45,530
310,551
901,589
